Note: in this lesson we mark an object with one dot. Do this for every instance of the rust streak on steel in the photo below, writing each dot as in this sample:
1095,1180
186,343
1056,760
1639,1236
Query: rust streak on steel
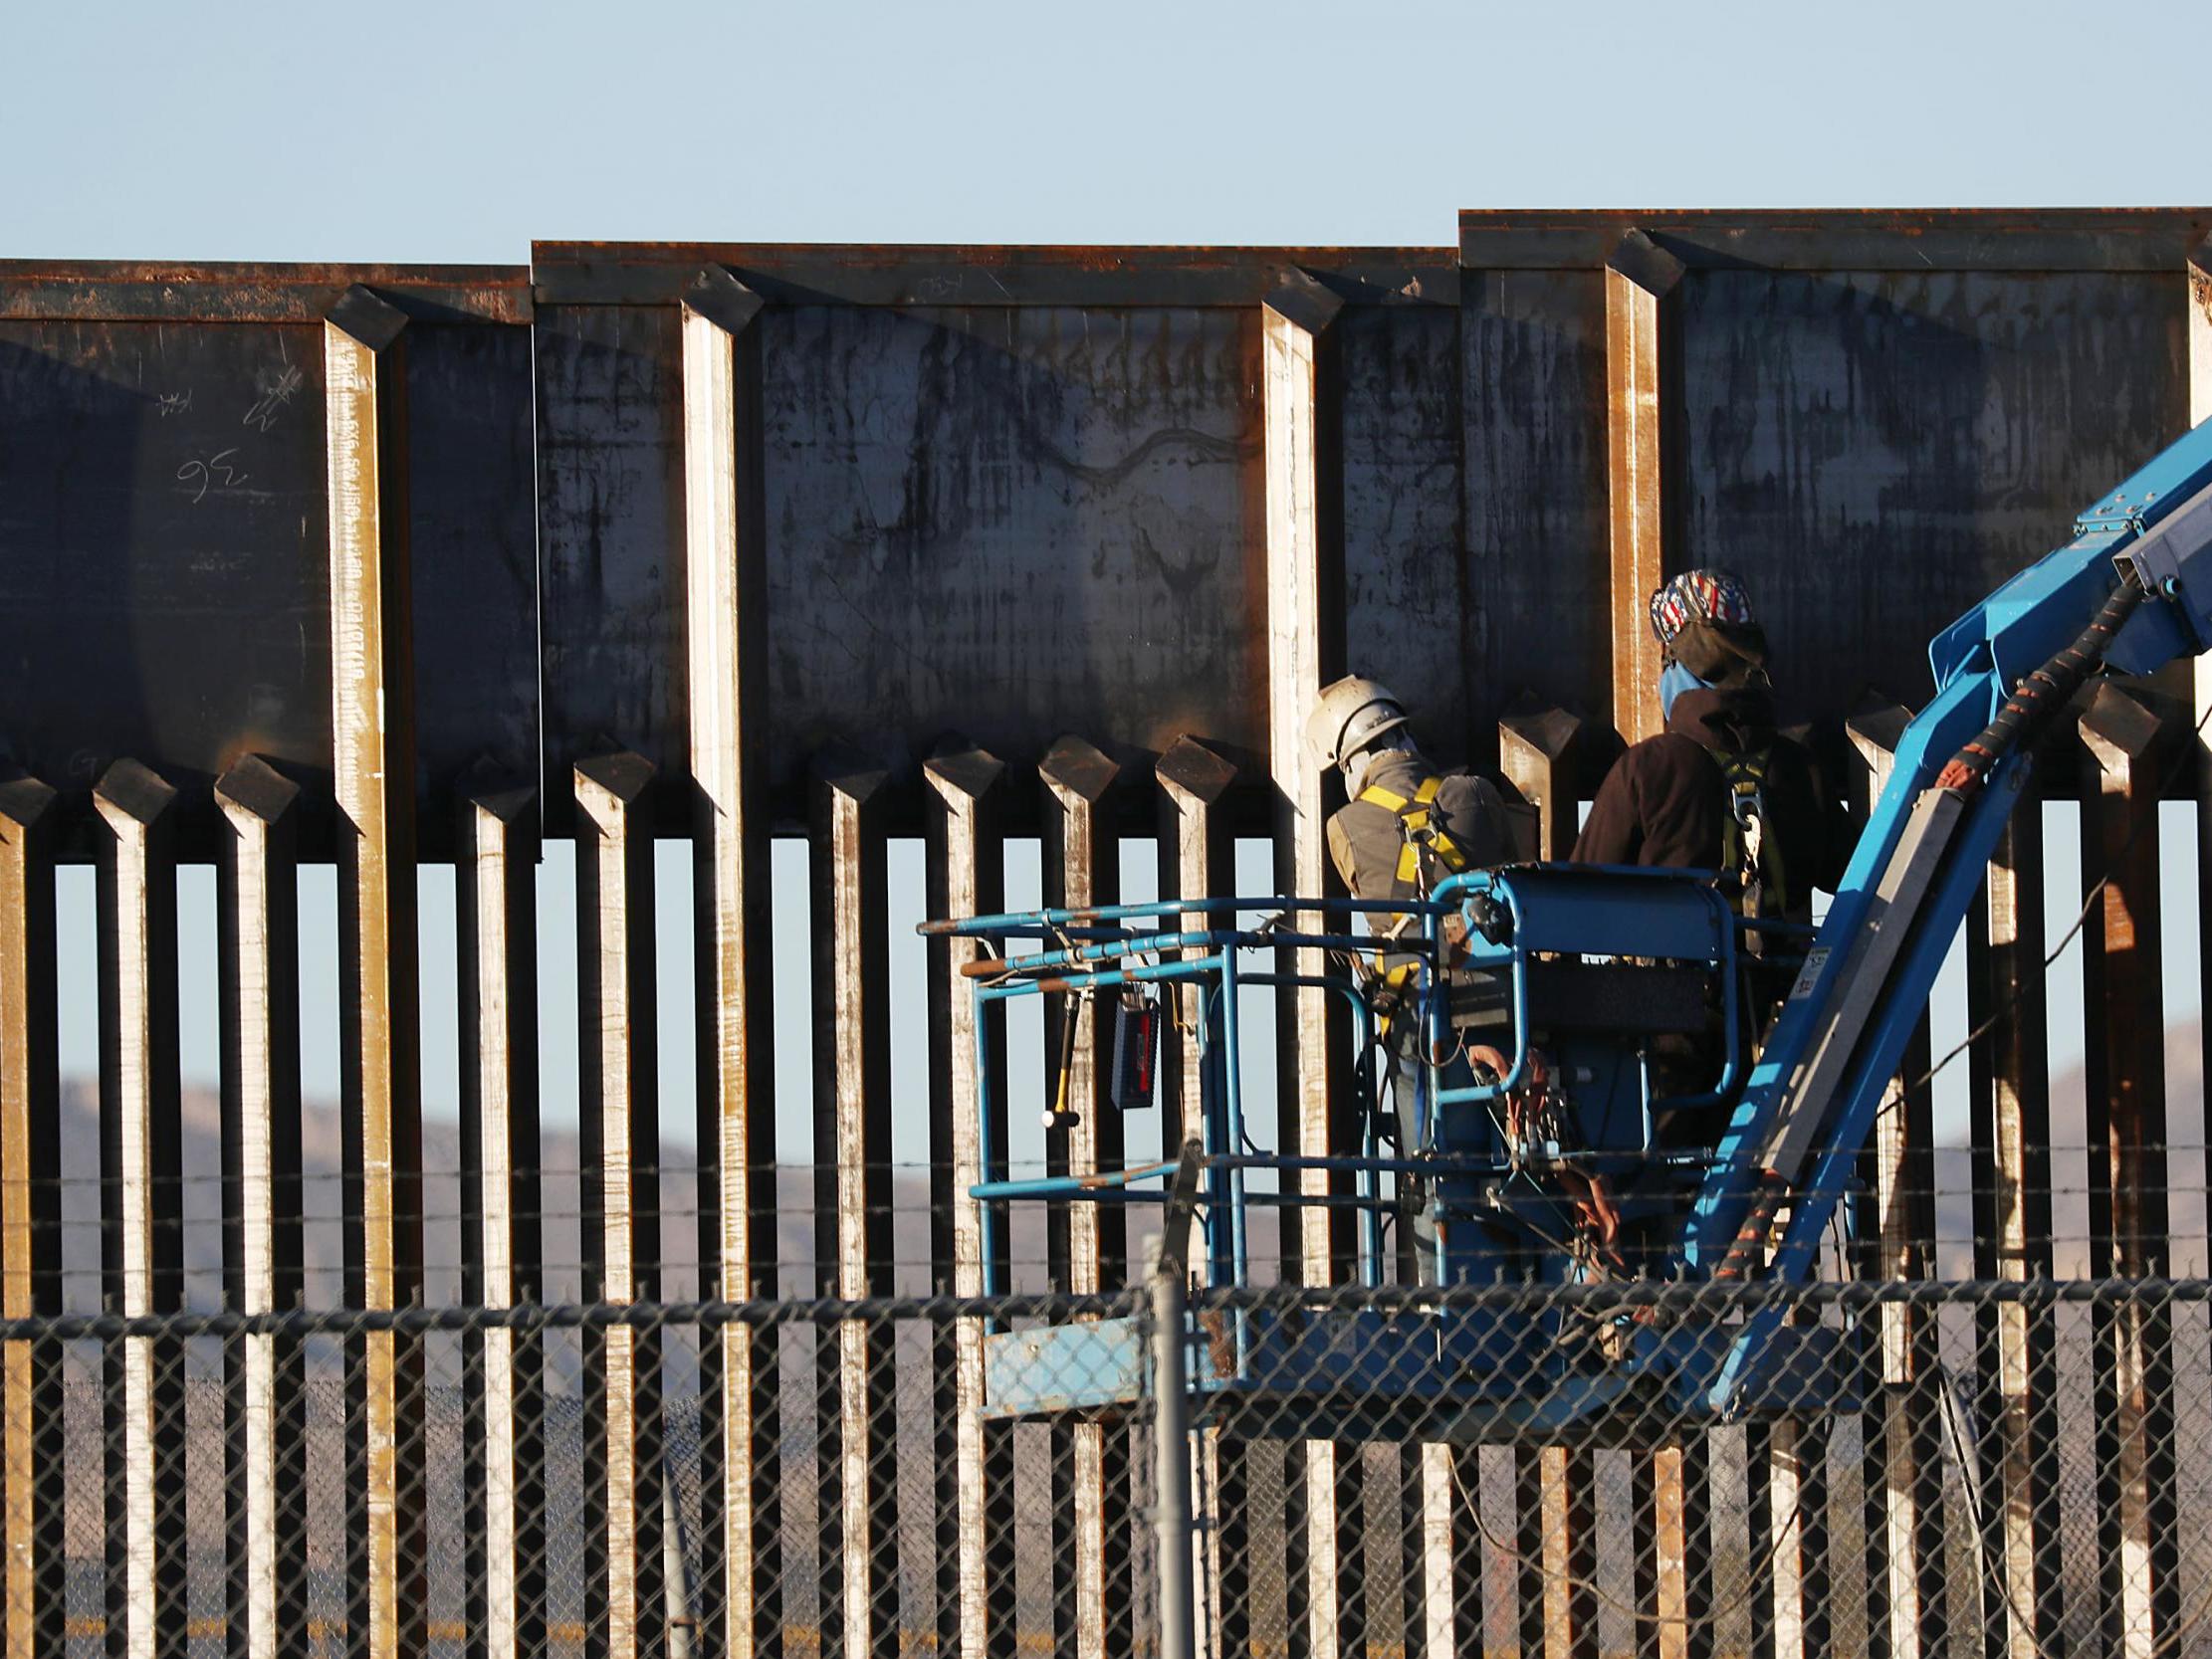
1643,328
2125,749
1904,1477
1300,388
724,541
496,847
973,1490
30,1216
2103,239
620,1135
257,928
982,276
365,365
157,291
2011,1231
141,1235
1197,861
852,1157
1082,872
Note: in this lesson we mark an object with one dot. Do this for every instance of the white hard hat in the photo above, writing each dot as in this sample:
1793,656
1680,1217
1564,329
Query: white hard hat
1348,717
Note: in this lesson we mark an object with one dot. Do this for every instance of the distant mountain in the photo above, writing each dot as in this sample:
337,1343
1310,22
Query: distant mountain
561,1246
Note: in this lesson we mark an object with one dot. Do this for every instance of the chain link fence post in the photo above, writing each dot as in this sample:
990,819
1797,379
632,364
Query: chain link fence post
1170,1418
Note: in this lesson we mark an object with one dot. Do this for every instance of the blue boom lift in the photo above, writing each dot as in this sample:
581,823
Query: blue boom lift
1603,1089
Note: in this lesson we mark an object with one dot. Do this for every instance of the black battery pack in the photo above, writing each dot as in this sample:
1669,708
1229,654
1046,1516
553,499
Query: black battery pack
1136,1073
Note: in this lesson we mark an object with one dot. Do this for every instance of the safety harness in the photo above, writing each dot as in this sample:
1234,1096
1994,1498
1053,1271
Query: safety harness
1419,835
1746,850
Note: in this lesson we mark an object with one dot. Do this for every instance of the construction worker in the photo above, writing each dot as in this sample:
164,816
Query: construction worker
1719,788
1405,826
1406,823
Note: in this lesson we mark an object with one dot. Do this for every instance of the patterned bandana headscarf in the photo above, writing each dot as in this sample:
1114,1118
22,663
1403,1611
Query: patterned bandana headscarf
1699,596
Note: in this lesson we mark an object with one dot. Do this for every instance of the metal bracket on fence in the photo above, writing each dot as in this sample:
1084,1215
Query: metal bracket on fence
1183,1193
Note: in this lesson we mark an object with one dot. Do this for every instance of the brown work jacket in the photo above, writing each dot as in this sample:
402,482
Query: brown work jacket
1665,800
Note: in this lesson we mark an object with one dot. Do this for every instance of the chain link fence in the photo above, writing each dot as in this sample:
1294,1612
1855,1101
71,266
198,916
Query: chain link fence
2010,1468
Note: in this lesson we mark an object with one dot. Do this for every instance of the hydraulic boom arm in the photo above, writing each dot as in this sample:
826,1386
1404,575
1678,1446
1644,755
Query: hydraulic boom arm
2133,590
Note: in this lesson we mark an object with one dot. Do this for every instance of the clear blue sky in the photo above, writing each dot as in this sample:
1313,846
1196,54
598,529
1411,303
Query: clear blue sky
460,132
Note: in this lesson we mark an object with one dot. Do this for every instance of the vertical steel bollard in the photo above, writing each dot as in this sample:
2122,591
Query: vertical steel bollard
1171,1460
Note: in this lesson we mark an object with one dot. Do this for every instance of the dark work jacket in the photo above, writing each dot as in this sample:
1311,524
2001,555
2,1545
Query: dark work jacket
1365,839
1665,802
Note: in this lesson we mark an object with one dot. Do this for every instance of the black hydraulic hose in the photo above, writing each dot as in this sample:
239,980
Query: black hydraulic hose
2043,692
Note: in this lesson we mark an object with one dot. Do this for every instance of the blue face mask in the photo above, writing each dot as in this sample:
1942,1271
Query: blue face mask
1672,683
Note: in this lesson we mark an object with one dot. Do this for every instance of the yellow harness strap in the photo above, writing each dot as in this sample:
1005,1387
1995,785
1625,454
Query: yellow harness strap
1413,817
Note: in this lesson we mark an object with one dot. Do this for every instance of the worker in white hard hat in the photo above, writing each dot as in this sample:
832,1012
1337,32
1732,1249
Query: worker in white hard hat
1405,826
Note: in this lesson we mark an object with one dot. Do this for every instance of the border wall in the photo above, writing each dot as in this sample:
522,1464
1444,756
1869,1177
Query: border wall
380,568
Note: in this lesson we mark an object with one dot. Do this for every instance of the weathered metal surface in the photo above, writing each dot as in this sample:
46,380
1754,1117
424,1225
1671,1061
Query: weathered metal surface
1536,538
141,1193
373,724
1645,392
1868,446
1002,522
2123,1066
1305,650
916,275
1830,239
30,1216
155,290
496,855
1017,492
726,666
620,1153
966,874
165,506
1904,1488
259,954
1535,753
1197,857
2013,1231
858,1542
1408,593
1090,1247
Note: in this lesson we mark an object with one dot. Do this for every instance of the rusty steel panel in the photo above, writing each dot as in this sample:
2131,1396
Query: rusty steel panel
2011,1231
30,1218
161,496
1011,522
162,503
2126,756
502,1235
142,1206
371,683
259,954
610,534
1875,452
1845,239
727,659
912,274
230,292
1405,586
1533,407
972,1499
858,1584
620,1213
1644,459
